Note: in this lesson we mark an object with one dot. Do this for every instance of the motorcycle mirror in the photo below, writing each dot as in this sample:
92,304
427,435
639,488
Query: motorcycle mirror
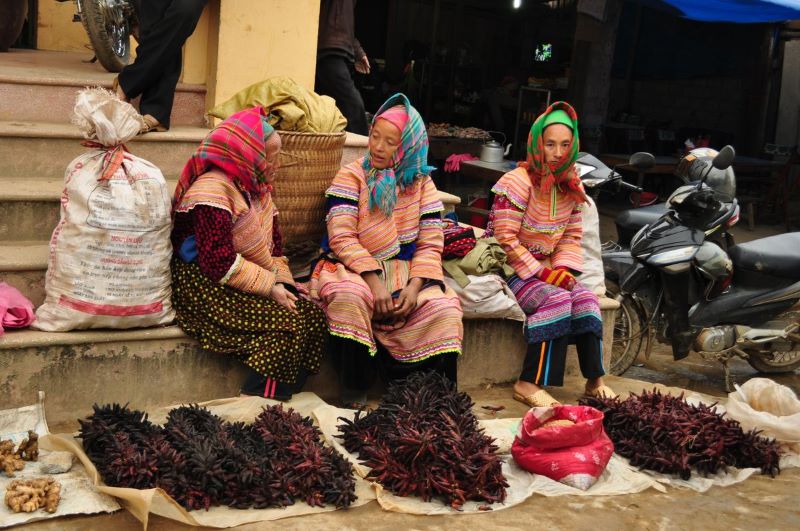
642,161
724,158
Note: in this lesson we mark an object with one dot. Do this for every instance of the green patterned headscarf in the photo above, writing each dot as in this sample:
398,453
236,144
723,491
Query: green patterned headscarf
561,172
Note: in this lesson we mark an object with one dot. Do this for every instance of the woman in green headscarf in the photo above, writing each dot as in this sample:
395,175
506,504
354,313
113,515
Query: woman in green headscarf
536,217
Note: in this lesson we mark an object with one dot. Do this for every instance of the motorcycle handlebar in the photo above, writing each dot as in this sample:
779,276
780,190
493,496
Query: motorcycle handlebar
629,186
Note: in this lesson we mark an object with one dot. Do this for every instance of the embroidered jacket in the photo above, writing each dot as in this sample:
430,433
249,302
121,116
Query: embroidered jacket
361,238
531,222
254,270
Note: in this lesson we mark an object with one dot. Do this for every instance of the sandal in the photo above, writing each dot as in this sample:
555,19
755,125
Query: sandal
117,90
151,124
602,391
540,398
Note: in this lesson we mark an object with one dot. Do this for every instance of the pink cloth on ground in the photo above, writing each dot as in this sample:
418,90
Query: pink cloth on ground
16,311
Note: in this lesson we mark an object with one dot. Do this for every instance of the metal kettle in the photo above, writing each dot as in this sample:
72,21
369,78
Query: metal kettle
492,151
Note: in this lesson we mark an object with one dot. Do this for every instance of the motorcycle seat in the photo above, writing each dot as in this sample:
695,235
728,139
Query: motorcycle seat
630,221
776,255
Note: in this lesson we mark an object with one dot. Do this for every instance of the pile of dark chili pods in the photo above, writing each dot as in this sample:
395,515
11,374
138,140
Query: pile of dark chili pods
424,440
666,434
202,461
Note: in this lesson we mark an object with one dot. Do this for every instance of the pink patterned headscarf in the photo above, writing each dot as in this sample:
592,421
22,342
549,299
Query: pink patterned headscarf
397,116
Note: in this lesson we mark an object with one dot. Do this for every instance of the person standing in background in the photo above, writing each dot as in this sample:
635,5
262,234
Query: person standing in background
164,26
338,51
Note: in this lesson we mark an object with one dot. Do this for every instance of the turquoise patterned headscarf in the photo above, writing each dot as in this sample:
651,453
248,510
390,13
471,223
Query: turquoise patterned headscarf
409,161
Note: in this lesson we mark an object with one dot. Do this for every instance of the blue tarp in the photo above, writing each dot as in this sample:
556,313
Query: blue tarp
742,11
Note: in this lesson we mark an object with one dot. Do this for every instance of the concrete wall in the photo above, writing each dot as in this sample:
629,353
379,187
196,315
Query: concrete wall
236,43
56,29
259,39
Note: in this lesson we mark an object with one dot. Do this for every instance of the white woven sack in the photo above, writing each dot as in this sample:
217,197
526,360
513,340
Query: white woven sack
110,252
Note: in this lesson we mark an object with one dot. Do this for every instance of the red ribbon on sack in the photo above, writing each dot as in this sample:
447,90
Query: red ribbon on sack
112,160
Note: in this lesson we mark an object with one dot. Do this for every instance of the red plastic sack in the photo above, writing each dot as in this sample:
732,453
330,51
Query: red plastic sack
575,455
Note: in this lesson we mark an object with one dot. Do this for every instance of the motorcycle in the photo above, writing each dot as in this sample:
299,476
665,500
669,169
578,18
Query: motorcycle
109,24
685,282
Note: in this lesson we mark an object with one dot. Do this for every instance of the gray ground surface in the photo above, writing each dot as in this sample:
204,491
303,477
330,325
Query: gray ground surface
758,503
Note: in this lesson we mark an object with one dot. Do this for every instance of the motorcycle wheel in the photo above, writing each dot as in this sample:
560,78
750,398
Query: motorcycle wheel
107,25
774,362
629,332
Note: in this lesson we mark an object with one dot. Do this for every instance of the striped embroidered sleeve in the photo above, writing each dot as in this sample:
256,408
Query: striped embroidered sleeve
426,262
249,277
507,223
342,221
568,252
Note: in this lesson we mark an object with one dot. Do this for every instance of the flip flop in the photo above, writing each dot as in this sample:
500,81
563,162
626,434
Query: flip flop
540,398
151,124
603,391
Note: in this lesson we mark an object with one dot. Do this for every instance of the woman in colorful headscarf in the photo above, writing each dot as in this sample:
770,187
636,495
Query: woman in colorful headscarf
536,217
232,289
380,282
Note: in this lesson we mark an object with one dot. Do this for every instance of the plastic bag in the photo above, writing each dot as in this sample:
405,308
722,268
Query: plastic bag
575,454
774,409
486,297
110,252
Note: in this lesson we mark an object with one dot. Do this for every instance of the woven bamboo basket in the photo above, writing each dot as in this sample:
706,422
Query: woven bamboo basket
309,162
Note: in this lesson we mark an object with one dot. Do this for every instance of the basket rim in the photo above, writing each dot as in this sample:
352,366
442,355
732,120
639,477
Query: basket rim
310,134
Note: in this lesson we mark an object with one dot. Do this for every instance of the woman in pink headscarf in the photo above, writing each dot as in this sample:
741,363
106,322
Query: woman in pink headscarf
380,282
232,289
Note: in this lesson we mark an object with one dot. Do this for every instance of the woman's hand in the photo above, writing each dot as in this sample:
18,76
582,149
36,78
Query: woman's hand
407,300
384,305
284,297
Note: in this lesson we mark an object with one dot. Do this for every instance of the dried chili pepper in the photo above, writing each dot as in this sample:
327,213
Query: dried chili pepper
424,440
666,434
202,461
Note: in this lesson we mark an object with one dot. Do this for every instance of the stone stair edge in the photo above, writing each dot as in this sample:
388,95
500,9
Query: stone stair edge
27,129
12,79
19,339
24,256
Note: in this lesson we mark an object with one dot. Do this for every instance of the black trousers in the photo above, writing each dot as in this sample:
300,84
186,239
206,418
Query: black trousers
164,26
335,79
357,369
545,361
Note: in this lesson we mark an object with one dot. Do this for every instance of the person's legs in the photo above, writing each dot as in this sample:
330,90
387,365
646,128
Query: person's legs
335,80
354,367
590,357
157,99
544,364
164,26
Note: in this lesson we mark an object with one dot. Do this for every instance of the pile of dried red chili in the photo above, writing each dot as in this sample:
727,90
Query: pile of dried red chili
425,441
666,434
202,461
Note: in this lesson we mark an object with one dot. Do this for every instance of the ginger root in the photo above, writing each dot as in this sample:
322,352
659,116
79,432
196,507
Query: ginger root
10,462
29,448
32,494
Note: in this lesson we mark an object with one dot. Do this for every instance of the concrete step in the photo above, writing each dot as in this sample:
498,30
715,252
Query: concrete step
23,265
43,150
30,77
161,366
30,207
